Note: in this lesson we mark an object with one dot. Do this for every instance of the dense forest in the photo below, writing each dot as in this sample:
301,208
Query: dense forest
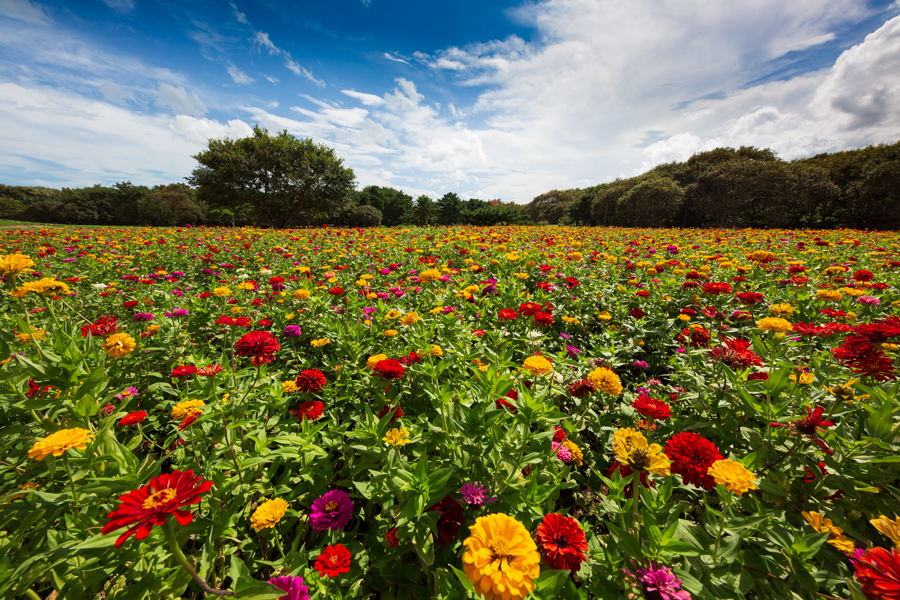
725,187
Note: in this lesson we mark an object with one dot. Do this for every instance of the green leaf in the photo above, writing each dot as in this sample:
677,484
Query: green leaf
879,422
97,376
257,590
86,407
464,580
550,584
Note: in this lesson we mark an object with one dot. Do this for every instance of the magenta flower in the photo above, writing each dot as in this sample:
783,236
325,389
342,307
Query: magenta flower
658,582
140,317
476,494
292,331
332,511
292,585
562,453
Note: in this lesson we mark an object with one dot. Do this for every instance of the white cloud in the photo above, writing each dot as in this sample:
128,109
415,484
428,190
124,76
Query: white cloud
120,6
398,59
366,99
237,75
24,10
179,101
261,39
241,17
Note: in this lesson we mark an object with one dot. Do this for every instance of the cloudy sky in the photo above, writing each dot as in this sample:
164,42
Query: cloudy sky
503,99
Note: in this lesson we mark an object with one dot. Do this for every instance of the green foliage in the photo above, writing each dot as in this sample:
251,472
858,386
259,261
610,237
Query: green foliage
364,216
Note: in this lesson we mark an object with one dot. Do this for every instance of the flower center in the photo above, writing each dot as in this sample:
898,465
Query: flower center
639,458
159,498
499,548
331,506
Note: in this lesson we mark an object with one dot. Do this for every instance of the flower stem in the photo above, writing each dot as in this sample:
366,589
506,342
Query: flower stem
182,560
71,481
722,526
636,497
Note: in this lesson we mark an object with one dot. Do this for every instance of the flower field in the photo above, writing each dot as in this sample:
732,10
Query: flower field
449,413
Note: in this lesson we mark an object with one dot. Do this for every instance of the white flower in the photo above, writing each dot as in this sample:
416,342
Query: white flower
265,271
99,286
534,334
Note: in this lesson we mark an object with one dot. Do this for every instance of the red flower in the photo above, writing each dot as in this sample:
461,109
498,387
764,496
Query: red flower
481,332
811,329
151,504
450,520
209,370
390,369
696,335
232,322
132,418
559,434
878,572
736,354
692,456
130,304
309,410
652,408
636,313
561,542
188,421
501,403
336,291
333,561
862,356
642,293
808,426
414,358
716,287
762,376
261,345
397,413
508,314
749,297
582,388
543,318
106,325
529,309
571,282
183,371
863,275
391,538
311,380
264,322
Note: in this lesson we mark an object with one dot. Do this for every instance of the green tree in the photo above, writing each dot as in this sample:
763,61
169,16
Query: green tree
364,216
654,202
551,206
426,211
449,208
286,180
395,206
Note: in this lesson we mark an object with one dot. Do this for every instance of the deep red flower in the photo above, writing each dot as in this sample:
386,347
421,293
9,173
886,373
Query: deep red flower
397,413
336,291
529,309
878,572
863,275
696,335
150,505
582,388
508,314
309,410
749,297
479,332
333,561
808,426
234,322
35,390
559,434
264,322
183,371
736,354
877,333
642,293
261,345
636,313
188,421
716,287
692,456
811,329
542,318
571,282
130,304
391,538
864,357
311,380
390,369
502,403
411,359
104,326
132,418
761,376
561,542
450,520
209,370
652,408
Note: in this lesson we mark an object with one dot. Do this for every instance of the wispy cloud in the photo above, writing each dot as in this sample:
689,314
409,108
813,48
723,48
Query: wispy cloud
24,10
120,6
263,42
237,75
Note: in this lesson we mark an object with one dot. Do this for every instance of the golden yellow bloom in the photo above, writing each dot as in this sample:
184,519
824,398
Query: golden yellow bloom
236,310
246,286
631,449
222,291
761,255
319,342
888,347
436,350
410,319
28,485
46,287
394,314
429,275
604,316
36,335
501,559
684,317
60,441
845,392
289,387
13,264
374,360
889,527
824,525
396,437
118,345
521,275
805,378
852,291
302,295
225,398
151,329
185,409
575,451
537,365
830,295
391,333
571,320
268,514
733,475
605,380
781,310
774,324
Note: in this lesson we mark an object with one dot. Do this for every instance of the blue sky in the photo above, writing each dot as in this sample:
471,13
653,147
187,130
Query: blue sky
488,99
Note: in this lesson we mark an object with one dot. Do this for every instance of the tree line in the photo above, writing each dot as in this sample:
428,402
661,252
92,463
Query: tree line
747,187
281,181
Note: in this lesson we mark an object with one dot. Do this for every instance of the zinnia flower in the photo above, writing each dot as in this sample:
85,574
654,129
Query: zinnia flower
183,371
878,573
561,542
151,504
632,450
733,475
659,583
537,365
261,345
132,418
605,380
824,525
889,527
333,561
309,410
185,409
476,494
652,408
293,585
118,345
58,442
311,380
774,324
390,369
13,264
268,514
450,520
501,559
396,437
331,511
692,456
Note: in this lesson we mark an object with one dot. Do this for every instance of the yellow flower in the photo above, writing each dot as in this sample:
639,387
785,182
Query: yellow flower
852,291
429,275
301,295
268,514
781,310
151,329
571,320
36,335
60,441
521,275
824,525
437,310
225,398
575,451
390,333
828,295
29,485
537,365
805,378
436,350
605,380
631,449
246,286
410,319
396,437
118,345
684,317
374,360
604,316
222,291
319,342
185,409
761,255
13,264
501,559
236,310
288,387
774,324
733,475
46,286
889,527
394,314
845,392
